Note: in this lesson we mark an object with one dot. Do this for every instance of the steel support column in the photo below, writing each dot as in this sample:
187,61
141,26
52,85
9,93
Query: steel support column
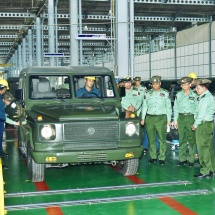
51,34
30,52
131,41
80,31
73,8
23,53
210,47
19,58
122,38
38,42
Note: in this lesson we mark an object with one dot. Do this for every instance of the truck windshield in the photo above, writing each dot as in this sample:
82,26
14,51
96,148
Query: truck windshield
93,86
49,87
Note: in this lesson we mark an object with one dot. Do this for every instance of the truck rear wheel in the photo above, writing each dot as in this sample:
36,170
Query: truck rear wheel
36,171
128,167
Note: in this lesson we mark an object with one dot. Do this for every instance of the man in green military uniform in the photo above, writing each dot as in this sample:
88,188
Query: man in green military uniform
138,87
156,115
132,101
184,109
204,126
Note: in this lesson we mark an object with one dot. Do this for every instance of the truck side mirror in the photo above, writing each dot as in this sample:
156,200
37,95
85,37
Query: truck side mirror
18,95
122,91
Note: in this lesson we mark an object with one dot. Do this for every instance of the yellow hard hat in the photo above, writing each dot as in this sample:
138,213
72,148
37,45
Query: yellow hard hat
4,83
90,77
192,75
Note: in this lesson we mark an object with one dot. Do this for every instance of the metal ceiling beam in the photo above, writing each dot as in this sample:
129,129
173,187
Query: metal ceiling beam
17,15
186,2
170,19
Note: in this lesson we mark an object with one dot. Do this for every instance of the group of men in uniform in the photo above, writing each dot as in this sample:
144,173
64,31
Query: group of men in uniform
193,117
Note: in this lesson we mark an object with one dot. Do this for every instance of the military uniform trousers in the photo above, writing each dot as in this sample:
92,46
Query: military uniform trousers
204,134
156,124
185,121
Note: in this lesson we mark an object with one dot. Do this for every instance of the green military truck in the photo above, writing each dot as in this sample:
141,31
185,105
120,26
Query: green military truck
59,128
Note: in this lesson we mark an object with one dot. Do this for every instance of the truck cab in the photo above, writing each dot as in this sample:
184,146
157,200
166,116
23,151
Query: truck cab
60,127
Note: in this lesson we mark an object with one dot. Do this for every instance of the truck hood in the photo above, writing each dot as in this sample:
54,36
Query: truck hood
70,112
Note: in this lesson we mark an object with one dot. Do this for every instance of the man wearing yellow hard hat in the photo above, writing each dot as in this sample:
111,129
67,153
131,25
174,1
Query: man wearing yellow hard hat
3,88
194,77
89,90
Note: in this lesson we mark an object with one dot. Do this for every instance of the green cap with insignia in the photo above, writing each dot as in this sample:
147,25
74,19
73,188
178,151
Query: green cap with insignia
8,97
126,79
202,81
155,79
137,79
185,80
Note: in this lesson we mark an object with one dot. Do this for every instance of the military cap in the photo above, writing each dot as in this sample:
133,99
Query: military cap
127,79
155,79
8,97
137,79
185,80
202,81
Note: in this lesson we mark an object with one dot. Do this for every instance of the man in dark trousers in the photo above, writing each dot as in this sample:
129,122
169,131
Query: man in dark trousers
204,127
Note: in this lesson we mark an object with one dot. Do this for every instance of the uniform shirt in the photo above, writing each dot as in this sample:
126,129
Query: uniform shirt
2,110
205,109
184,103
132,98
85,93
157,103
141,90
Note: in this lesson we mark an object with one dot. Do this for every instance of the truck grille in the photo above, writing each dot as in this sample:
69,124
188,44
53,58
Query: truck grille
91,131
92,157
89,145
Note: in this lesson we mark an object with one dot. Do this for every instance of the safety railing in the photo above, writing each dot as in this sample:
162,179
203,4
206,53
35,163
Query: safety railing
2,211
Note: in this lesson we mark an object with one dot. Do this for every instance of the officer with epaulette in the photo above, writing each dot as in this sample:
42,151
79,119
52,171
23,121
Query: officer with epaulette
132,101
156,115
138,87
204,126
184,109
12,109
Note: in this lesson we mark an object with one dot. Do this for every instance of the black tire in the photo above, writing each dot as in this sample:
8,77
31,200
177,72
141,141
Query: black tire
36,171
21,146
128,167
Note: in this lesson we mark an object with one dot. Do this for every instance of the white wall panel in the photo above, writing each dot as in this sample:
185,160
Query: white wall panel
201,59
190,60
201,47
206,70
195,49
206,58
213,45
206,46
213,69
213,57
196,59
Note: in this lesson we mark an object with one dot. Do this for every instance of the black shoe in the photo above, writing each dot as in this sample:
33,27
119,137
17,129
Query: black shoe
144,151
200,175
190,164
183,163
152,161
162,162
4,154
4,167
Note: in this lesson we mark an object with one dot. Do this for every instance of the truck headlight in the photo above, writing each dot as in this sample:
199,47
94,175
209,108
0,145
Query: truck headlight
130,129
48,132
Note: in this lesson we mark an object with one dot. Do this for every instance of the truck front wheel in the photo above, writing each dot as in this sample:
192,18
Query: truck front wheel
36,171
128,167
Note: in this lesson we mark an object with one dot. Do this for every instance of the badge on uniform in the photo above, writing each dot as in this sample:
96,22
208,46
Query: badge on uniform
134,94
191,98
162,94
